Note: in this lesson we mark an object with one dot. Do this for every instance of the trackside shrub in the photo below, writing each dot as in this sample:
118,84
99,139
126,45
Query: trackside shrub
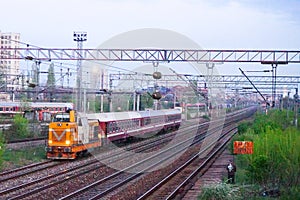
221,191
2,148
274,164
19,129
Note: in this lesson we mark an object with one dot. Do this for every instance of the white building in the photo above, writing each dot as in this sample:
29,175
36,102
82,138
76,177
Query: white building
9,69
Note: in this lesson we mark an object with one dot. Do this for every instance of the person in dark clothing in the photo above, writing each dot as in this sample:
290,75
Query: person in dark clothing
231,169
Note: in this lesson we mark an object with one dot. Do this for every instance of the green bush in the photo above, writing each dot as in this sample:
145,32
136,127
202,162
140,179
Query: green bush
19,129
2,148
206,117
243,127
221,191
276,158
259,169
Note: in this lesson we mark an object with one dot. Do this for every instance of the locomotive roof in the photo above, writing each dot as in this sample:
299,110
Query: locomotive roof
114,116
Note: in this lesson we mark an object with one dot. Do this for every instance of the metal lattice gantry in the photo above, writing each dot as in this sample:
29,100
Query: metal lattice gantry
224,79
154,55
229,82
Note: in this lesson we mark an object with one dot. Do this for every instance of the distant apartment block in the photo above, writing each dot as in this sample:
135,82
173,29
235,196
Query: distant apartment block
9,69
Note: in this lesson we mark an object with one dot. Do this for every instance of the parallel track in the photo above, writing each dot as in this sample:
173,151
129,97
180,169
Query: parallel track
18,191
111,183
94,173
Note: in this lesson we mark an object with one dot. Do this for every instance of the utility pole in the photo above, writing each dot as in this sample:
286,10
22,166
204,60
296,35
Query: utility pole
38,63
61,76
274,74
296,97
79,37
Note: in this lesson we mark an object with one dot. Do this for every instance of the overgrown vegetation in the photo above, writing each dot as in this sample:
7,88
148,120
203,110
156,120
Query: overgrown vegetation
273,168
17,158
2,148
19,129
274,164
221,191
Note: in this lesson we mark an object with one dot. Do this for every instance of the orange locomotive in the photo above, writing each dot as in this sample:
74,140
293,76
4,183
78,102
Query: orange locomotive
71,135
66,139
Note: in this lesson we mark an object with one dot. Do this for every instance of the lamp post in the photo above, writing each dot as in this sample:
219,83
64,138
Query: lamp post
79,37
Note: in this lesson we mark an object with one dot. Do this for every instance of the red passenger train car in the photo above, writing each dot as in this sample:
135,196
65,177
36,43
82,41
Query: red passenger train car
41,111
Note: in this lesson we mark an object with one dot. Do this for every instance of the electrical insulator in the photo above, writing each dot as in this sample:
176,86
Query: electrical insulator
156,95
156,75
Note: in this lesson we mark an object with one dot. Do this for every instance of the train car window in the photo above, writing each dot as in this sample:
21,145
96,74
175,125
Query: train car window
114,126
110,128
118,125
137,122
121,125
1,109
148,121
128,124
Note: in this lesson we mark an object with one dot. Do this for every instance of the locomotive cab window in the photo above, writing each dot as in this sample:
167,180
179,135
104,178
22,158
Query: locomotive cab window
61,117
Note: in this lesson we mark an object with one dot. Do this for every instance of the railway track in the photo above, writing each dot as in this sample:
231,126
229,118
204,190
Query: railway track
6,175
178,182
113,182
82,178
29,142
27,188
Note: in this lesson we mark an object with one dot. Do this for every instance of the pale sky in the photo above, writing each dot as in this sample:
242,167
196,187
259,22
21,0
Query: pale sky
213,24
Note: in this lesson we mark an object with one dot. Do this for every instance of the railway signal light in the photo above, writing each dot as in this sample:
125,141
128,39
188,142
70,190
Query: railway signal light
156,95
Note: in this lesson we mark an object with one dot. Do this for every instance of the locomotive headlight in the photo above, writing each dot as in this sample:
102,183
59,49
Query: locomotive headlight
49,141
68,142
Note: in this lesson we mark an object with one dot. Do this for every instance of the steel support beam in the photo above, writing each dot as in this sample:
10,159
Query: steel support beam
153,55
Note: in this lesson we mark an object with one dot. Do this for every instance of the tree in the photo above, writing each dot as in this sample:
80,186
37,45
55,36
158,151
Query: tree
51,81
51,76
35,73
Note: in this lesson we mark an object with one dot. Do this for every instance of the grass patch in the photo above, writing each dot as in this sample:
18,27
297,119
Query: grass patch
219,191
17,158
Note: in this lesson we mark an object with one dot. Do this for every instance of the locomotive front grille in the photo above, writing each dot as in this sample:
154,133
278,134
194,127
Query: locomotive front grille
58,136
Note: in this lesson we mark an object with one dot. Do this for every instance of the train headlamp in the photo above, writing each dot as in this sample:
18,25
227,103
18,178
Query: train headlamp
68,142
49,141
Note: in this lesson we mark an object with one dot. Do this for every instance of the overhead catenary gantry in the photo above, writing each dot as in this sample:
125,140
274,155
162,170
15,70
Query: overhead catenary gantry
271,57
228,81
154,55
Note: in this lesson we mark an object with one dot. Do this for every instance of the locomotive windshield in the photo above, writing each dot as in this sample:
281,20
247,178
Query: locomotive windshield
61,117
